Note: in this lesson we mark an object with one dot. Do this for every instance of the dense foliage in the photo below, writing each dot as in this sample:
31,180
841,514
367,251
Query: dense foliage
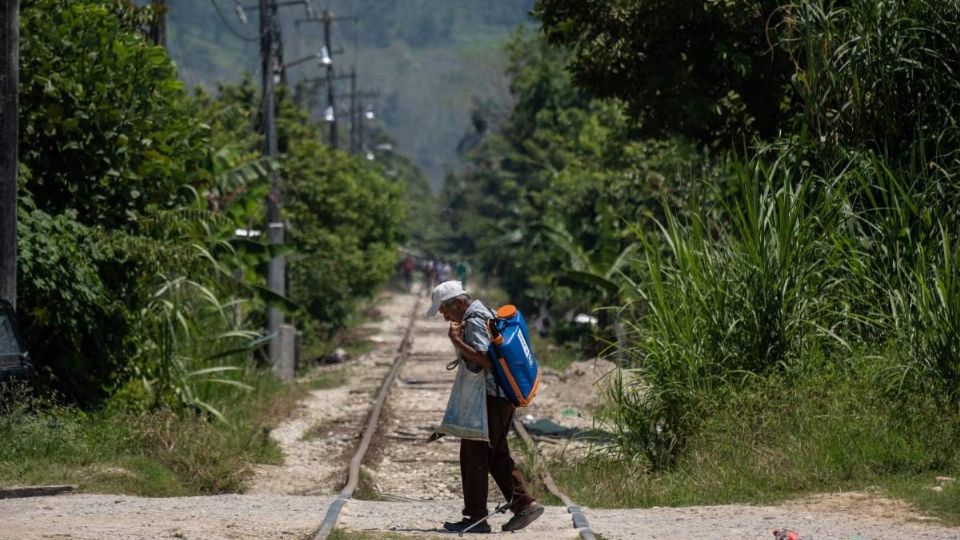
108,143
747,194
347,216
130,196
693,68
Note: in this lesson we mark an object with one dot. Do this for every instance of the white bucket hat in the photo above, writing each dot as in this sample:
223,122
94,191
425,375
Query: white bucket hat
443,292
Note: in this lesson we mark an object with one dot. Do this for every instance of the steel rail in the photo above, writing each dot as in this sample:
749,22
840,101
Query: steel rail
373,421
579,519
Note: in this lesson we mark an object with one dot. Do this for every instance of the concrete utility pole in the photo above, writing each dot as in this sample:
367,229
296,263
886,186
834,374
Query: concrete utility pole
358,113
331,100
280,70
276,278
354,114
158,30
361,146
9,142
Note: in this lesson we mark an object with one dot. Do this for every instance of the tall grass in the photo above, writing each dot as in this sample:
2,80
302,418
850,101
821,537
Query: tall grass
812,429
723,302
836,242
787,268
875,74
925,315
159,453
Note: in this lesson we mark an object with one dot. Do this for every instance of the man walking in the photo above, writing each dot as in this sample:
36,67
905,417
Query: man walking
468,334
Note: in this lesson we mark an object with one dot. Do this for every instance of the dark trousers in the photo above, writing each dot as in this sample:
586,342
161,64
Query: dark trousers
478,458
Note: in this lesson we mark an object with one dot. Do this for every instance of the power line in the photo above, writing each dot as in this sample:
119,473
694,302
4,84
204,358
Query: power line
226,22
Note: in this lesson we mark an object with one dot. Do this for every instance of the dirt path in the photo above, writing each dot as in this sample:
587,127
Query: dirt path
271,508
416,485
853,516
118,517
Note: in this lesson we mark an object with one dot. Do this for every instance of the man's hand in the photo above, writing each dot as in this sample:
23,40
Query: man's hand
454,332
469,353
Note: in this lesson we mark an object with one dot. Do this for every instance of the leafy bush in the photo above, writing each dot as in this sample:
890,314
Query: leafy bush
63,289
105,126
108,146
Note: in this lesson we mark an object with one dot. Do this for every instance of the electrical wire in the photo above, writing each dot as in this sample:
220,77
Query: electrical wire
226,22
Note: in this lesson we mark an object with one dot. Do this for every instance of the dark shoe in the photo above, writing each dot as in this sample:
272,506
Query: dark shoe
523,518
459,526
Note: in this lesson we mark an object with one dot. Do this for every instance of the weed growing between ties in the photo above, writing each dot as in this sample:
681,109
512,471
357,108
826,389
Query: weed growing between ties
327,379
367,488
158,453
323,429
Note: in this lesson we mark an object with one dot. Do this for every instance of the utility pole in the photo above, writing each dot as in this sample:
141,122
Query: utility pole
9,141
158,28
331,101
275,269
360,144
358,112
354,115
280,70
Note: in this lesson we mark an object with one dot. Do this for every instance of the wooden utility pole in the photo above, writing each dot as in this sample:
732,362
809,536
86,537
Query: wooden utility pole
158,29
9,141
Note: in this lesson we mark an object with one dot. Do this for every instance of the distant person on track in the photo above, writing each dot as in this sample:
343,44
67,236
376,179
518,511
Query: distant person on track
463,272
406,268
443,271
429,275
478,459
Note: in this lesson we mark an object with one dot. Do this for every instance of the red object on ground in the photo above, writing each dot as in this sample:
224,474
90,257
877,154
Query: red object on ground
784,534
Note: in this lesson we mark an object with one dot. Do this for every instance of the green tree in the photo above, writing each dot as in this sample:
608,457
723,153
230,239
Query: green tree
562,161
105,127
878,76
344,213
345,221
685,67
108,144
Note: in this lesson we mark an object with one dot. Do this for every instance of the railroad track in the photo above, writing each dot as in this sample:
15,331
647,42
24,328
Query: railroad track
415,395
